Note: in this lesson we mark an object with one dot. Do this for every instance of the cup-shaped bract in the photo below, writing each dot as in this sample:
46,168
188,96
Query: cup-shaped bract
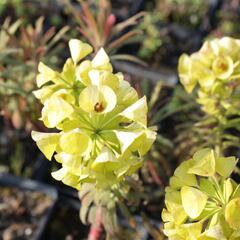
102,124
215,70
202,201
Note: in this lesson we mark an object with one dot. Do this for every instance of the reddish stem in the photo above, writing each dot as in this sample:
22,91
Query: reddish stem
111,20
97,228
157,179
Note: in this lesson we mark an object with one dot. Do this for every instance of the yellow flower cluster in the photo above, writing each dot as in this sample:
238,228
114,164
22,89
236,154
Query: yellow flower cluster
103,124
215,68
202,202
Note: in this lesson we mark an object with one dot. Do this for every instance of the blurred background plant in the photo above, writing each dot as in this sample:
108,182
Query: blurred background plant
178,113
22,47
184,12
171,27
29,11
228,19
152,39
98,25
19,59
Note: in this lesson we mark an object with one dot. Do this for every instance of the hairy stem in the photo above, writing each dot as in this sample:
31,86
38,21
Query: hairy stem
96,228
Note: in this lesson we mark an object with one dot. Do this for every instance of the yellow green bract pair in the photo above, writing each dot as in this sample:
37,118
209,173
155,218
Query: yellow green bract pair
216,69
202,202
102,122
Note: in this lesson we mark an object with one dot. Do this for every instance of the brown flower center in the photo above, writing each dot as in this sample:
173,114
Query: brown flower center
98,107
223,66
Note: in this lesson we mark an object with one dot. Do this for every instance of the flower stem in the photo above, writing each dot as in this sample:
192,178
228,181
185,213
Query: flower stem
96,228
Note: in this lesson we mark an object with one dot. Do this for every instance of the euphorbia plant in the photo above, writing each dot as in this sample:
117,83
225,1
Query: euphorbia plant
202,201
214,71
102,127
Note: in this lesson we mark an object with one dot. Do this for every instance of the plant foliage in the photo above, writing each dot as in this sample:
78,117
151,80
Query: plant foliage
202,202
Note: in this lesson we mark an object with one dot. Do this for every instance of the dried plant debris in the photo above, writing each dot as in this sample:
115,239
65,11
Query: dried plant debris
20,212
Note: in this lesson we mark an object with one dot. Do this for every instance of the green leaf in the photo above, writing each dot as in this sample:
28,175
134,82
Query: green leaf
155,95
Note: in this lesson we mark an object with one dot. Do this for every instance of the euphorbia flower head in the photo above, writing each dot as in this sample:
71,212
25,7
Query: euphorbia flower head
215,68
102,123
202,202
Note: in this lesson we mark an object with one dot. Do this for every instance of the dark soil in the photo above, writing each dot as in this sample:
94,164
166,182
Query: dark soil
21,212
66,224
